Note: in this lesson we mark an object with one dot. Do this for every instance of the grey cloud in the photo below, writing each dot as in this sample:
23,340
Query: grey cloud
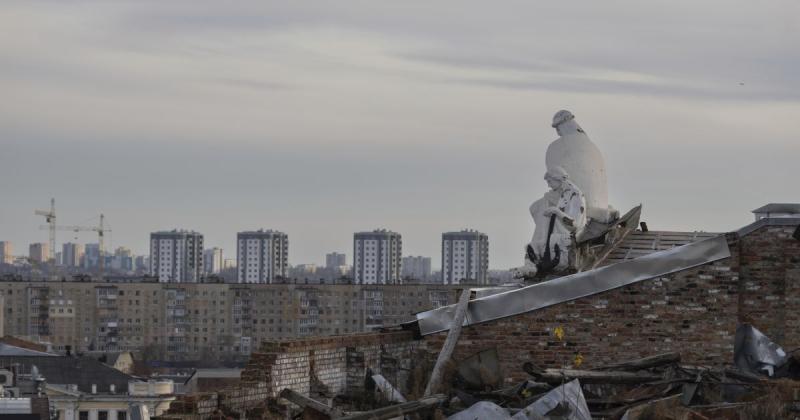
252,84
733,92
448,58
325,118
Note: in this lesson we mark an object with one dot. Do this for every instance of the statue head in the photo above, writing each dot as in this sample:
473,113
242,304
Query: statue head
555,177
564,123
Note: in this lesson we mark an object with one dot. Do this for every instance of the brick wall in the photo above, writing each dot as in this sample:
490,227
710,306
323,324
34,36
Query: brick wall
694,312
770,292
249,400
330,366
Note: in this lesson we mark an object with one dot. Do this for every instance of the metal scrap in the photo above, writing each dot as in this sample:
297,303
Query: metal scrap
578,285
754,352
482,410
481,371
387,389
565,402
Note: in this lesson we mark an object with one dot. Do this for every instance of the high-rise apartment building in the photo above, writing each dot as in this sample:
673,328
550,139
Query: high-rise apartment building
91,256
122,259
39,252
417,268
142,263
6,253
335,260
176,256
212,260
465,257
377,257
262,256
71,254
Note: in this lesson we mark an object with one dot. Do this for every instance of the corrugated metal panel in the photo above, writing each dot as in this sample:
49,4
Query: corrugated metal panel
639,244
587,283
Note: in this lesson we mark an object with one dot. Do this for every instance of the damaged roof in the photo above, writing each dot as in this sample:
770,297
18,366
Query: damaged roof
576,286
638,243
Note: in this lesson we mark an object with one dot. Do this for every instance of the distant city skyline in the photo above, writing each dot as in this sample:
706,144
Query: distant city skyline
321,260
327,119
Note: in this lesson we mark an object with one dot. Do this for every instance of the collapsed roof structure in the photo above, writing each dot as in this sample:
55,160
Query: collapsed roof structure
603,301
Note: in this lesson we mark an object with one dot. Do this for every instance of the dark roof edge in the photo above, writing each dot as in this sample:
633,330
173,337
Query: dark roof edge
768,221
778,208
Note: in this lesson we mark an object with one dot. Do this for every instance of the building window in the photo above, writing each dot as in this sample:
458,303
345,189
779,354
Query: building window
83,415
102,415
122,415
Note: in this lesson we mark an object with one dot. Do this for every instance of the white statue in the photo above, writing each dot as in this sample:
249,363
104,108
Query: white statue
576,154
559,215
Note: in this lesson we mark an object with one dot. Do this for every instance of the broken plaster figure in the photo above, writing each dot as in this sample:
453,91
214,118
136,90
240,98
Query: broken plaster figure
559,215
581,158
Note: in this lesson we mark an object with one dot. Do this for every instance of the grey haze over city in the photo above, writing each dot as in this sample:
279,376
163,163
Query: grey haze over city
320,119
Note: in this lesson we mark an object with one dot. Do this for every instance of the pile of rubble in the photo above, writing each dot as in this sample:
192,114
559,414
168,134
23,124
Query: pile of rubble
760,384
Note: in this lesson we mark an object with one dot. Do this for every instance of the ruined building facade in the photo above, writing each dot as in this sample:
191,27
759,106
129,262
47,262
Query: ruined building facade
694,312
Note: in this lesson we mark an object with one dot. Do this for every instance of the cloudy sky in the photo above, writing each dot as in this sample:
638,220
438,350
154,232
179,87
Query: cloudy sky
324,118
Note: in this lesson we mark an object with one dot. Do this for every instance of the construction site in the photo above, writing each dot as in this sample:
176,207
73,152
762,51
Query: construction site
674,327
399,210
608,320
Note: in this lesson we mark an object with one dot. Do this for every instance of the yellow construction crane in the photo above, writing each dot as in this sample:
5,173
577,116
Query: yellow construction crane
100,229
50,216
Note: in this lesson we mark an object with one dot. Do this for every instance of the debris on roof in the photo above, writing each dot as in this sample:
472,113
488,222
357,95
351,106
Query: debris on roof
638,243
587,283
754,352
761,378
389,392
657,386
481,370
564,402
482,410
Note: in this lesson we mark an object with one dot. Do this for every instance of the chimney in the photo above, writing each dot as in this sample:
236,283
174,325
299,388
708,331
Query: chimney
112,388
94,389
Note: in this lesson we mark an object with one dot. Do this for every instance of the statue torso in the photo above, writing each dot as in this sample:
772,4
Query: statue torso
585,165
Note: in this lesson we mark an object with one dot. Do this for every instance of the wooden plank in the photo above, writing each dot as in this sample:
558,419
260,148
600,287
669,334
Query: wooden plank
398,410
449,344
558,376
309,403
645,362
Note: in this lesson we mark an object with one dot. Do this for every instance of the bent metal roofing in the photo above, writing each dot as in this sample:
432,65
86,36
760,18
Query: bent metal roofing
575,286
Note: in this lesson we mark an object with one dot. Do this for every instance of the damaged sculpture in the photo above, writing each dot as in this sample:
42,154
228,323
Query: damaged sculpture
577,175
559,215
581,158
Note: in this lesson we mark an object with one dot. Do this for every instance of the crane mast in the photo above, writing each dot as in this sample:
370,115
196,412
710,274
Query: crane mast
102,247
50,217
100,229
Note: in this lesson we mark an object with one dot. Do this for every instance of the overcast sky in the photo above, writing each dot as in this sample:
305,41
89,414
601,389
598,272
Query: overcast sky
324,118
